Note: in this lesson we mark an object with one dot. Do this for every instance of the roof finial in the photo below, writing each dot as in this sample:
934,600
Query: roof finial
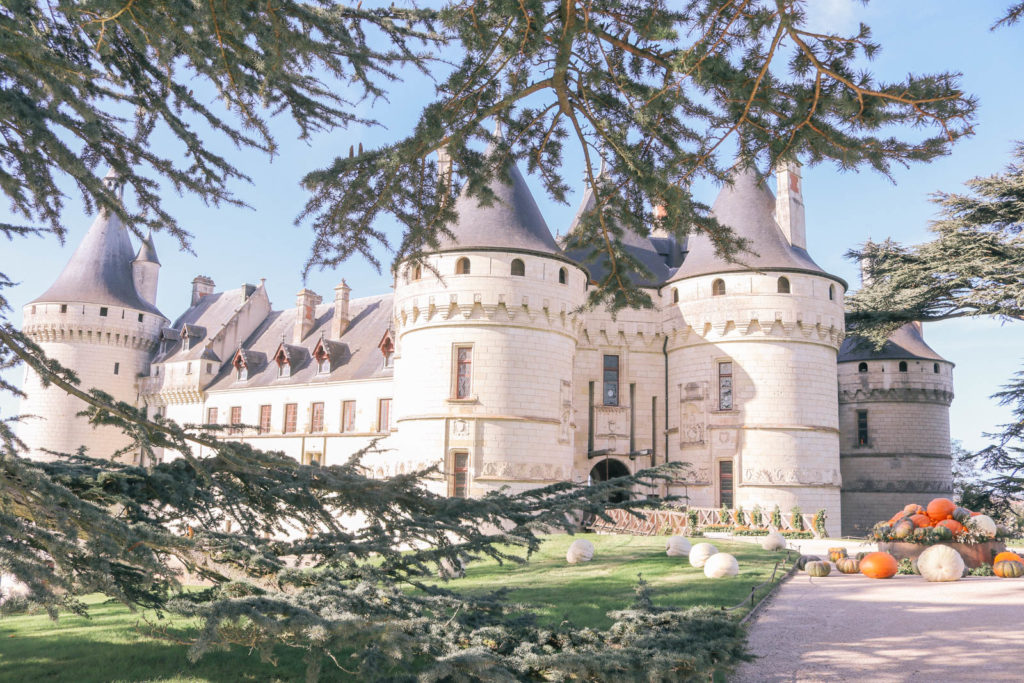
498,132
114,183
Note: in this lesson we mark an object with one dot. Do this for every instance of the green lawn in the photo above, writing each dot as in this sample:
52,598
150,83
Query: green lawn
113,645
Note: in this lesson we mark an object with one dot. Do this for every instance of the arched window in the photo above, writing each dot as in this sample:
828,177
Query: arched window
903,366
563,276
675,295
417,272
863,367
831,292
935,368
783,285
518,267
718,288
462,266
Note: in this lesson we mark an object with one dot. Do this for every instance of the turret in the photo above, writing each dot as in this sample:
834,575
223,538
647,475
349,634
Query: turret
146,270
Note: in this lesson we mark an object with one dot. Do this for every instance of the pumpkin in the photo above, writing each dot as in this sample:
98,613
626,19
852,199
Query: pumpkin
879,565
920,534
917,570
984,524
954,526
961,515
836,553
848,565
940,563
721,565
862,554
1002,531
903,529
581,550
1008,569
801,562
913,509
940,509
942,533
975,514
677,546
700,553
819,569
1007,556
774,541
921,521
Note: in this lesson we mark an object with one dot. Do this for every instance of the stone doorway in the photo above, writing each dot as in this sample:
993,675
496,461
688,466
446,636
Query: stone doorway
609,468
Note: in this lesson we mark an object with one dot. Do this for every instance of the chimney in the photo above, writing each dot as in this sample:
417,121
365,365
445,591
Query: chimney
201,286
305,317
444,167
789,203
340,320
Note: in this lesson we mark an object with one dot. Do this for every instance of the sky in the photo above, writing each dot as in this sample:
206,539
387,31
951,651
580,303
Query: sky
843,209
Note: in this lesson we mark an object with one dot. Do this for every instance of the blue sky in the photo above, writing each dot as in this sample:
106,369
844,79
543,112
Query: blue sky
843,209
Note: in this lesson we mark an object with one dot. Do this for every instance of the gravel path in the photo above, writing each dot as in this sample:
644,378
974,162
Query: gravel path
852,628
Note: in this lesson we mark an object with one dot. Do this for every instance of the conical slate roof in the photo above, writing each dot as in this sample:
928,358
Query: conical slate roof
906,343
100,269
512,221
147,250
748,207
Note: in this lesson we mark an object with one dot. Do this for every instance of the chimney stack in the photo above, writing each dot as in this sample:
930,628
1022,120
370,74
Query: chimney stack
201,286
789,203
306,303
341,318
865,267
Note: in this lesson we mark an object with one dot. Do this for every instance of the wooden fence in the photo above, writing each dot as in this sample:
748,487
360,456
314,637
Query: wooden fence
658,522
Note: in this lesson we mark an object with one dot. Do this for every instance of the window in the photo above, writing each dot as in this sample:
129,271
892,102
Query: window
863,367
725,386
236,420
117,368
312,459
103,311
323,364
862,428
831,292
903,366
783,285
63,308
241,372
316,418
725,483
718,288
209,367
211,416
348,416
518,267
384,415
264,419
935,368
610,393
462,266
417,272
460,475
463,371
188,368
33,310
675,295
563,276
291,411
140,317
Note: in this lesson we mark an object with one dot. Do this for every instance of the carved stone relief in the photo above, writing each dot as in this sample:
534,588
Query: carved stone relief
779,476
522,471
692,424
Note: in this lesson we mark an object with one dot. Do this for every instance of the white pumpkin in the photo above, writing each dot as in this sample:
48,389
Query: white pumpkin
580,551
700,553
940,563
984,524
720,565
774,541
677,546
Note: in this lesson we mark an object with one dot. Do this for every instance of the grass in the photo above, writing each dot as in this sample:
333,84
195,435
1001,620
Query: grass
113,645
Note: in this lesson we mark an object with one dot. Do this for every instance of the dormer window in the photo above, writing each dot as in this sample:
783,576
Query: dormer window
186,342
387,348
241,367
284,366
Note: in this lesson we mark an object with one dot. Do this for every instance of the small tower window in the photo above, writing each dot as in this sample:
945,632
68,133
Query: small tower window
831,292
862,428
863,367
462,266
117,368
611,381
103,311
33,310
718,288
903,366
417,272
935,368
675,295
783,285
140,317
563,276
518,267
63,308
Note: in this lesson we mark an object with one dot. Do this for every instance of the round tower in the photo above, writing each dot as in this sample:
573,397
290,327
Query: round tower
752,352
93,321
894,417
485,339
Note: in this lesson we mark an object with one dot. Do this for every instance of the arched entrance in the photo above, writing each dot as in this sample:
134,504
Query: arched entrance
609,468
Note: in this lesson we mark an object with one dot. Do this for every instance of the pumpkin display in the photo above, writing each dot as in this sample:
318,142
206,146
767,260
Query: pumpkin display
879,565
774,541
819,569
836,554
954,526
677,546
1008,569
862,554
801,562
913,509
942,533
1007,555
920,535
581,550
903,529
921,521
848,565
721,565
940,509
940,563
961,515
984,524
700,553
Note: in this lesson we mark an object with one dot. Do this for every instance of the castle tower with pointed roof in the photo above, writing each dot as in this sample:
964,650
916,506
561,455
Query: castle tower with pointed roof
94,320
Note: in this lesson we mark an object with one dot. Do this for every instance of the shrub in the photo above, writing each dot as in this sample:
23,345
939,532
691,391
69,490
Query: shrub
819,522
777,517
985,569
741,517
692,520
756,516
906,566
798,518
724,516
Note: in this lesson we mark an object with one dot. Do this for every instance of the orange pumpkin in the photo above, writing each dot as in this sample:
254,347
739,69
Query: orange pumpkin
921,520
879,565
975,514
1006,556
940,509
913,509
956,527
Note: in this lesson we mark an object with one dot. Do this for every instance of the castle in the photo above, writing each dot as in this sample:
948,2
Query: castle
481,362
